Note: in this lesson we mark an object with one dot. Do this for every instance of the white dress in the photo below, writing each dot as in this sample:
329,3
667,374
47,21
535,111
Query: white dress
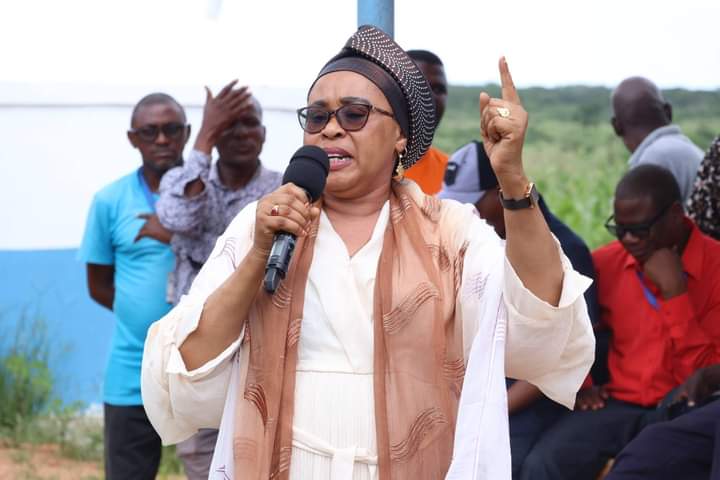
334,422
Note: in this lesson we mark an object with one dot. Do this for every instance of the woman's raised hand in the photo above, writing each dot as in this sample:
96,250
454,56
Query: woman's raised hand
503,122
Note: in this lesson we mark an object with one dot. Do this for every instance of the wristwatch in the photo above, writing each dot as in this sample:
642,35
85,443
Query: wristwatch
529,200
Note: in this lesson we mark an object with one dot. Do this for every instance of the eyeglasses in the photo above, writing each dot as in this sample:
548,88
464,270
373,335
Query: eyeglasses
351,117
149,133
638,230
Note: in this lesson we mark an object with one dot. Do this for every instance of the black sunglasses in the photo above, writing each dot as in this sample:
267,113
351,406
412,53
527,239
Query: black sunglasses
638,230
351,117
149,133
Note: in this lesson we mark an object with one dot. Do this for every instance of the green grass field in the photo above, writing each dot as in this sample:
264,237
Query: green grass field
571,151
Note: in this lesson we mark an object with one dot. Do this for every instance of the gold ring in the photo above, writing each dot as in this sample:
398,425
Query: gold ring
503,112
275,210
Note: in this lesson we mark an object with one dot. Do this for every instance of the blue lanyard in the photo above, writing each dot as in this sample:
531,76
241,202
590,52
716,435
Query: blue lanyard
149,197
648,294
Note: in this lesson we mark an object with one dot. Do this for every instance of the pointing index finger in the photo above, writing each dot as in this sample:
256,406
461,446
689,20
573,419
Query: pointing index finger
509,93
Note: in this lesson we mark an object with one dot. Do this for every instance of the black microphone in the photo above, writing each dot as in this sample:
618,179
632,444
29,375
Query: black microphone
308,169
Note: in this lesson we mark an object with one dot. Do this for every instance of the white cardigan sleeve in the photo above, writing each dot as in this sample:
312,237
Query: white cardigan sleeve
178,402
508,331
550,346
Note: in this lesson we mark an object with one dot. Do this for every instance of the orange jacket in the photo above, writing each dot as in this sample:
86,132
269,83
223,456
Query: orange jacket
429,171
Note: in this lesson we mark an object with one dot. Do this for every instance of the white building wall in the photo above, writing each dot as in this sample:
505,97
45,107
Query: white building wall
59,144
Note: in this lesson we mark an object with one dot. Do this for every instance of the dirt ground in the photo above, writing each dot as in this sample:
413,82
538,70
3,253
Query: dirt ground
35,462
44,462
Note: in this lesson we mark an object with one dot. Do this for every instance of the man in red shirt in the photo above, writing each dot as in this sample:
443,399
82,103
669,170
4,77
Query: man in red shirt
659,294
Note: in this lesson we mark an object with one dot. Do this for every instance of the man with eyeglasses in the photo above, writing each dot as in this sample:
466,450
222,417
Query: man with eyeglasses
659,294
199,199
128,262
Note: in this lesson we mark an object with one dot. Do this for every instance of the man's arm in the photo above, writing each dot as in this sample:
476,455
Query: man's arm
152,228
700,386
694,335
101,284
694,338
97,249
521,395
183,197
176,210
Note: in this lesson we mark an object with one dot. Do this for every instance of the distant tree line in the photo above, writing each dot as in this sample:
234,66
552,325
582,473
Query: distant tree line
589,106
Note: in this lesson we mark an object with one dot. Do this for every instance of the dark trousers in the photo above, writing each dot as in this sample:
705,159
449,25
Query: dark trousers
686,448
580,443
528,425
196,453
132,447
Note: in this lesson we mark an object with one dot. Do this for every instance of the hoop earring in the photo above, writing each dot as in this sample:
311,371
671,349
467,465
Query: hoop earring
399,168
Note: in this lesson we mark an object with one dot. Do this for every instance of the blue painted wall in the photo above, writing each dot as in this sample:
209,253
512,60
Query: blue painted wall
49,286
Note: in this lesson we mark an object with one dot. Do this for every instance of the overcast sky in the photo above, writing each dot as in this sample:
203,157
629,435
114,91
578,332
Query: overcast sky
284,43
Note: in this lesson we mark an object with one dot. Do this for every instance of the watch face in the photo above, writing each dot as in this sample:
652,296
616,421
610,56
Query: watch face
530,199
534,194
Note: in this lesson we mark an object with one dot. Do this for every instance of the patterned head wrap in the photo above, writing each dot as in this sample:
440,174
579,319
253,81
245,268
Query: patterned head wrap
371,53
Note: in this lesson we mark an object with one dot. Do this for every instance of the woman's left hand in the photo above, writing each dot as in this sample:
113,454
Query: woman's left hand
503,123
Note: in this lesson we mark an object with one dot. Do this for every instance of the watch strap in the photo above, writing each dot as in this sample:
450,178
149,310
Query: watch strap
529,200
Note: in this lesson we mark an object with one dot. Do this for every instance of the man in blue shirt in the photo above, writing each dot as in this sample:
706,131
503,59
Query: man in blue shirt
469,178
128,259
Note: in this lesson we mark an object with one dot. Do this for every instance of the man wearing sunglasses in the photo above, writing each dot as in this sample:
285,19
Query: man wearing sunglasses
128,262
659,295
199,200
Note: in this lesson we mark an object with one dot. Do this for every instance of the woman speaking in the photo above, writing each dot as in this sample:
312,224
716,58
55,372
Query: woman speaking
383,352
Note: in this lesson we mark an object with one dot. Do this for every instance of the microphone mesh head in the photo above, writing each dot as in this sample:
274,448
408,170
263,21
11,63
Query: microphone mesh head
308,169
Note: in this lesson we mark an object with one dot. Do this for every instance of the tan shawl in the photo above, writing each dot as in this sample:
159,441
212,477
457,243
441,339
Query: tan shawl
418,358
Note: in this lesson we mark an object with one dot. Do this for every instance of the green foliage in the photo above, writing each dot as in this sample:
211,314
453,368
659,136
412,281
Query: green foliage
170,464
571,151
25,386
25,379
30,415
79,436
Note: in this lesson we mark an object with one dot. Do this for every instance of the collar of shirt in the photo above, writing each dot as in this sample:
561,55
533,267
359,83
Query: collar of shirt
249,187
654,135
692,256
